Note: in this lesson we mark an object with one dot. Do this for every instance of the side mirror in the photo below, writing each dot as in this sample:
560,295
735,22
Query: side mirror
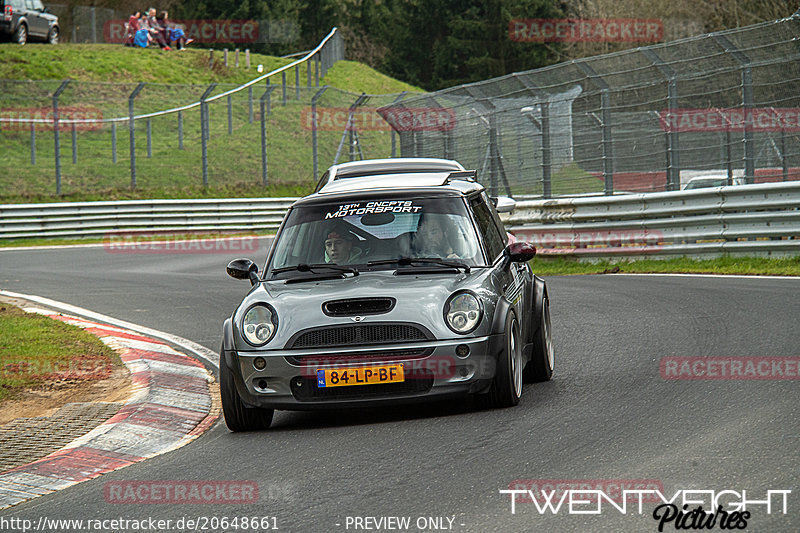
243,269
504,204
520,252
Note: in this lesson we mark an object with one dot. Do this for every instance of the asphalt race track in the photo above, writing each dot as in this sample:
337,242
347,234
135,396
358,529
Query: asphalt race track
607,416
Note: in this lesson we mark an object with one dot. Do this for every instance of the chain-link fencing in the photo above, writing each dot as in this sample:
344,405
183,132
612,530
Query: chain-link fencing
724,107
84,137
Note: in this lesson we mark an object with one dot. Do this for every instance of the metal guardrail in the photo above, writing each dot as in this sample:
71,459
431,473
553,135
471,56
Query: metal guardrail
98,219
761,219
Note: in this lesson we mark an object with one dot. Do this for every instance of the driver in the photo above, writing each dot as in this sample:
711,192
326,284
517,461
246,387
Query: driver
339,248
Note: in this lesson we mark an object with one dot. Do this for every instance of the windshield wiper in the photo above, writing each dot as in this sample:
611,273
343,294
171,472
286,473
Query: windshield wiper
410,261
302,267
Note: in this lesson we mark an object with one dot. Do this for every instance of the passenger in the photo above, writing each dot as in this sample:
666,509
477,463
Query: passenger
433,239
339,246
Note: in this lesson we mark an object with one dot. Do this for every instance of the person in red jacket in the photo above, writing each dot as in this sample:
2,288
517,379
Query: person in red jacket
131,28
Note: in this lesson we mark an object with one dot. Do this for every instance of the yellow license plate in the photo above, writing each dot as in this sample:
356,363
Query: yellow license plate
366,375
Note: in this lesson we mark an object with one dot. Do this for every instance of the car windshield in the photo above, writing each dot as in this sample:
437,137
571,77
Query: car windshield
369,234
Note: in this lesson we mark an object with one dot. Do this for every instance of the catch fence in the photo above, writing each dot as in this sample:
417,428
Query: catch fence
724,105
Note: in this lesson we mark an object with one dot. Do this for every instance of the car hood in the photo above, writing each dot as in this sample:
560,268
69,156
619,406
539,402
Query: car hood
419,299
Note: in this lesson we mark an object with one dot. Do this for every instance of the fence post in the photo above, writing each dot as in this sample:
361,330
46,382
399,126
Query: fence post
673,148
316,68
605,124
33,143
250,104
297,82
74,143
314,148
210,58
544,130
283,87
132,134
149,139
114,142
56,140
247,58
393,133
262,104
308,73
236,60
204,131
230,116
225,57
747,103
728,160
180,130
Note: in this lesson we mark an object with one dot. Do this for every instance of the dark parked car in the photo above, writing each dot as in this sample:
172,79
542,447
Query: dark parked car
396,284
25,20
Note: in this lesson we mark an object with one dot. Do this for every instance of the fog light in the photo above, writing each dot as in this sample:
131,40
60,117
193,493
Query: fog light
259,363
462,350
262,384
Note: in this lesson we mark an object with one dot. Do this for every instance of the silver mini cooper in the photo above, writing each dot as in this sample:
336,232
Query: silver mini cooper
394,282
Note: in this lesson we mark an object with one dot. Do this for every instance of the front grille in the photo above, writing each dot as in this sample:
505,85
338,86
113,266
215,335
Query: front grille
358,306
419,382
384,356
358,335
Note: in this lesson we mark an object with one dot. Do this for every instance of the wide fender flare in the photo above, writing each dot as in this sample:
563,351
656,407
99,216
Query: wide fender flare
228,346
501,310
539,289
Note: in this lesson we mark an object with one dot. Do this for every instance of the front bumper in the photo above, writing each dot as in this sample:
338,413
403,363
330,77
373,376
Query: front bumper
432,371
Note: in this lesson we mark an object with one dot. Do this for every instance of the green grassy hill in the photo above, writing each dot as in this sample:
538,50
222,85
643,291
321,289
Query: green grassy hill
103,77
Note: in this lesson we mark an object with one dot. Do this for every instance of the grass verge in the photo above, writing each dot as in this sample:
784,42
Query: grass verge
36,350
559,266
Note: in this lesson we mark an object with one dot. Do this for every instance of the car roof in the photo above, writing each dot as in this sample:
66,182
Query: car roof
395,177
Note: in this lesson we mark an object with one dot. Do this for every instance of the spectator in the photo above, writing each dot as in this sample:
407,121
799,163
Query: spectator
173,34
157,33
131,27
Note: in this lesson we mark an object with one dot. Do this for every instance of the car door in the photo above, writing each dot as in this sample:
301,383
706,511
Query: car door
37,23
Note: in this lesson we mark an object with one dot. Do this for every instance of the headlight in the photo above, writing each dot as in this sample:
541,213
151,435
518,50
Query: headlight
259,324
463,312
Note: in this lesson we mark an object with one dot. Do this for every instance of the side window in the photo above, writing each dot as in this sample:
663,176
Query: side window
492,238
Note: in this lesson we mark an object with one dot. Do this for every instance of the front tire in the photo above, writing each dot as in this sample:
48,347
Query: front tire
21,35
540,367
506,388
239,417
52,36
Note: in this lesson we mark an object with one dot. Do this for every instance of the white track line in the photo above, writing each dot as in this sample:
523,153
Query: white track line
202,352
728,276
